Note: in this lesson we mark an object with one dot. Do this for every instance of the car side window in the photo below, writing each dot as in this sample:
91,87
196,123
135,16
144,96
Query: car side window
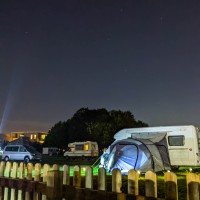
12,148
22,149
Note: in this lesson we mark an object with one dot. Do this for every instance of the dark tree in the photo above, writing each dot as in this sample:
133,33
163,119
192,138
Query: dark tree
96,124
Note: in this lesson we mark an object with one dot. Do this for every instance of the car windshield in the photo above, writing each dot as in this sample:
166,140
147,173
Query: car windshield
31,149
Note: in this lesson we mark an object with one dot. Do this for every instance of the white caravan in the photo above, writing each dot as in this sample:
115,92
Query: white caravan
50,151
183,142
82,149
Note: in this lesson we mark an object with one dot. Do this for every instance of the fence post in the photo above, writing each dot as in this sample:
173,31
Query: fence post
77,176
116,180
56,167
66,175
89,177
192,186
29,171
2,167
37,177
21,170
133,187
29,177
37,172
150,184
54,185
7,175
13,175
21,176
117,184
171,190
102,183
46,168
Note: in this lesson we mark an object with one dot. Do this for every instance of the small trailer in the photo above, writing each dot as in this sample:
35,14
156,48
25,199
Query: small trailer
50,151
153,148
87,149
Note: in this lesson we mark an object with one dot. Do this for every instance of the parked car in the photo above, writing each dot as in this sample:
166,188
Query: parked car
20,152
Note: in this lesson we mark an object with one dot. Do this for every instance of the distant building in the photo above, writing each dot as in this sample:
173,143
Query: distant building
34,136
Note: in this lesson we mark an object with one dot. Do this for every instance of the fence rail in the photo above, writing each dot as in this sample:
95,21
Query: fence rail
36,182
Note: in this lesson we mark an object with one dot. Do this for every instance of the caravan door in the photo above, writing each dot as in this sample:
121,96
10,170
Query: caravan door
181,150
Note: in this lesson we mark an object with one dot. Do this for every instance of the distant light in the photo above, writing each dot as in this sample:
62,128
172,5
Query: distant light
168,170
138,172
190,169
84,169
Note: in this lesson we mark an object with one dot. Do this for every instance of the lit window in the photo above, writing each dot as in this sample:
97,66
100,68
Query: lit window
35,137
71,149
86,147
43,137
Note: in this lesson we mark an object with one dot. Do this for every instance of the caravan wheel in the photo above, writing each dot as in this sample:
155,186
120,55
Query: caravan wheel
67,157
175,167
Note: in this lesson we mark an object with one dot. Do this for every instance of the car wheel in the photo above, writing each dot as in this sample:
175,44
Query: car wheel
26,159
6,159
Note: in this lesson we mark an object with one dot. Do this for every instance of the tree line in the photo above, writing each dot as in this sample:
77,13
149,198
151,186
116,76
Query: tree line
86,124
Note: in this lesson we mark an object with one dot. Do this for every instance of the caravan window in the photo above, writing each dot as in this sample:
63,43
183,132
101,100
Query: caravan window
86,147
178,140
79,147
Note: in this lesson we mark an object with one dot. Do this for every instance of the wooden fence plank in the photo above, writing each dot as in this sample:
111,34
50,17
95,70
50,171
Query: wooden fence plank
89,177
116,180
13,175
7,174
66,175
37,172
171,189
37,178
29,166
46,168
192,181
54,185
2,168
21,176
133,187
77,176
55,167
150,184
29,171
102,182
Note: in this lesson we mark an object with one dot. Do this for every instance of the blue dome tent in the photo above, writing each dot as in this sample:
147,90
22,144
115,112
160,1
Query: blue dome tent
140,152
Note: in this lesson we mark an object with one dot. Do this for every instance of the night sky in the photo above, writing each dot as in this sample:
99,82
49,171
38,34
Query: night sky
57,56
